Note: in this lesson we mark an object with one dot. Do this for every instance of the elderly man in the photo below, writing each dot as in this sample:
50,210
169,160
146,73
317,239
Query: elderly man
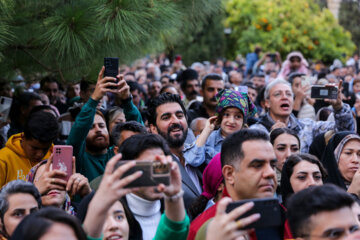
279,101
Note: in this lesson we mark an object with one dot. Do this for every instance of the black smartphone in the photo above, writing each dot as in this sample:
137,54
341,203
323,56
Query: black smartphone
269,209
324,92
346,89
111,68
154,173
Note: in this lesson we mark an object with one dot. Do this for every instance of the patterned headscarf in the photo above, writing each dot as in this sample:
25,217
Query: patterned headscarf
231,98
30,177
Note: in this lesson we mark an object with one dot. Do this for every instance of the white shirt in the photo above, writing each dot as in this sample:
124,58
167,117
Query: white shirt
147,213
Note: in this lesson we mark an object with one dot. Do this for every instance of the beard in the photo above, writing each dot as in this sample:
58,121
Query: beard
174,141
97,146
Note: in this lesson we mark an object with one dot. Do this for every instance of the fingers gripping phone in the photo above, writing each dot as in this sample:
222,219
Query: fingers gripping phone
269,209
154,173
62,159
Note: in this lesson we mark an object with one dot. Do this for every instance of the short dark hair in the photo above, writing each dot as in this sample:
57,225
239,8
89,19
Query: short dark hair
41,126
132,147
185,76
249,85
35,225
310,201
49,79
22,100
211,76
13,187
231,149
126,126
288,169
279,131
85,84
163,98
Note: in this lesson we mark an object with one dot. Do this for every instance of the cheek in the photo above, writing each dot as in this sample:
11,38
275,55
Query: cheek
11,223
296,185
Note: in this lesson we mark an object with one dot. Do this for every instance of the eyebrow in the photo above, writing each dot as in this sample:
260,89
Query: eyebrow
302,172
118,211
256,160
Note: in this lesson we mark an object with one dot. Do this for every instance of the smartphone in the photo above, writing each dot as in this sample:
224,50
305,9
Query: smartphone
5,105
305,81
154,173
269,209
324,92
346,89
111,68
62,159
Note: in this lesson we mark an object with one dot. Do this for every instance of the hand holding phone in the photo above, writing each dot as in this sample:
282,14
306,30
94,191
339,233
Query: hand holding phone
62,159
223,227
103,85
154,173
268,208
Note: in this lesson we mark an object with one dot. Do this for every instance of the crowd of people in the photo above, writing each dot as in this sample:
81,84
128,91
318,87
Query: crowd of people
244,130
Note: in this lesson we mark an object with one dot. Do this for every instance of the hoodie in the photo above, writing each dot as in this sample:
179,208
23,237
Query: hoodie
14,164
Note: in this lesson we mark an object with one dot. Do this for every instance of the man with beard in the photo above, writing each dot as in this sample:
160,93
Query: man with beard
210,86
190,85
167,117
89,135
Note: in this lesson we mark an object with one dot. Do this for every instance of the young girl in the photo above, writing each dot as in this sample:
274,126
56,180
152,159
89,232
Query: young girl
233,110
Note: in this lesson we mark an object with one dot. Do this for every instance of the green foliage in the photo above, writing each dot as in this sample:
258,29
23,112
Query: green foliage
285,26
69,38
349,18
204,42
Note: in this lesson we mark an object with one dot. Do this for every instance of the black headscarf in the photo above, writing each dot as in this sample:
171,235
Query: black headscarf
329,160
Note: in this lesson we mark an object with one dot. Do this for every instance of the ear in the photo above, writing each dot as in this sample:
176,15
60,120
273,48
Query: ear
220,187
228,173
201,92
116,150
153,129
267,103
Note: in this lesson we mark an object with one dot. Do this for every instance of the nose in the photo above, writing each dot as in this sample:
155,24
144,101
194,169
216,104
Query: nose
355,158
287,153
269,172
113,225
311,182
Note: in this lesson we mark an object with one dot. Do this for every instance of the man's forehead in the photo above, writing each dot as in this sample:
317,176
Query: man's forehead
214,83
98,119
280,86
258,149
172,107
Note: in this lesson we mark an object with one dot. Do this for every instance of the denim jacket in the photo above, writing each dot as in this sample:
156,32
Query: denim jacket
307,129
195,156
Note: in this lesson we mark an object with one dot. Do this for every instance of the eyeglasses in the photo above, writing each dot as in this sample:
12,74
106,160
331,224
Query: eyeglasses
335,233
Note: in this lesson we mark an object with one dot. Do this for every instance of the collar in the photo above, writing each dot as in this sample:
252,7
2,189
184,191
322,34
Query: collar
218,137
142,207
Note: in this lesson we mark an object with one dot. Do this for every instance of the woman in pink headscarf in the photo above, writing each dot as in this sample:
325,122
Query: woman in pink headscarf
295,62
213,187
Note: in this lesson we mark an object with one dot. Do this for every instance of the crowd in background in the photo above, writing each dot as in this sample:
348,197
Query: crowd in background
229,130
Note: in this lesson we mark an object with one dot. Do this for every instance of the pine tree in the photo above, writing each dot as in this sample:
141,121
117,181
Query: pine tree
70,38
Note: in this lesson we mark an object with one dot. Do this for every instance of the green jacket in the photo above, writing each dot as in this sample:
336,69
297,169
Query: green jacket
88,164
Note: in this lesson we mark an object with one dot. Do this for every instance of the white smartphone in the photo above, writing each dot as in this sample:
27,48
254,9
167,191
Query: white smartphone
5,105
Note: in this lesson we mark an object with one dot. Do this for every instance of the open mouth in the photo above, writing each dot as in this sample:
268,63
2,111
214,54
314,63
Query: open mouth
114,237
285,106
